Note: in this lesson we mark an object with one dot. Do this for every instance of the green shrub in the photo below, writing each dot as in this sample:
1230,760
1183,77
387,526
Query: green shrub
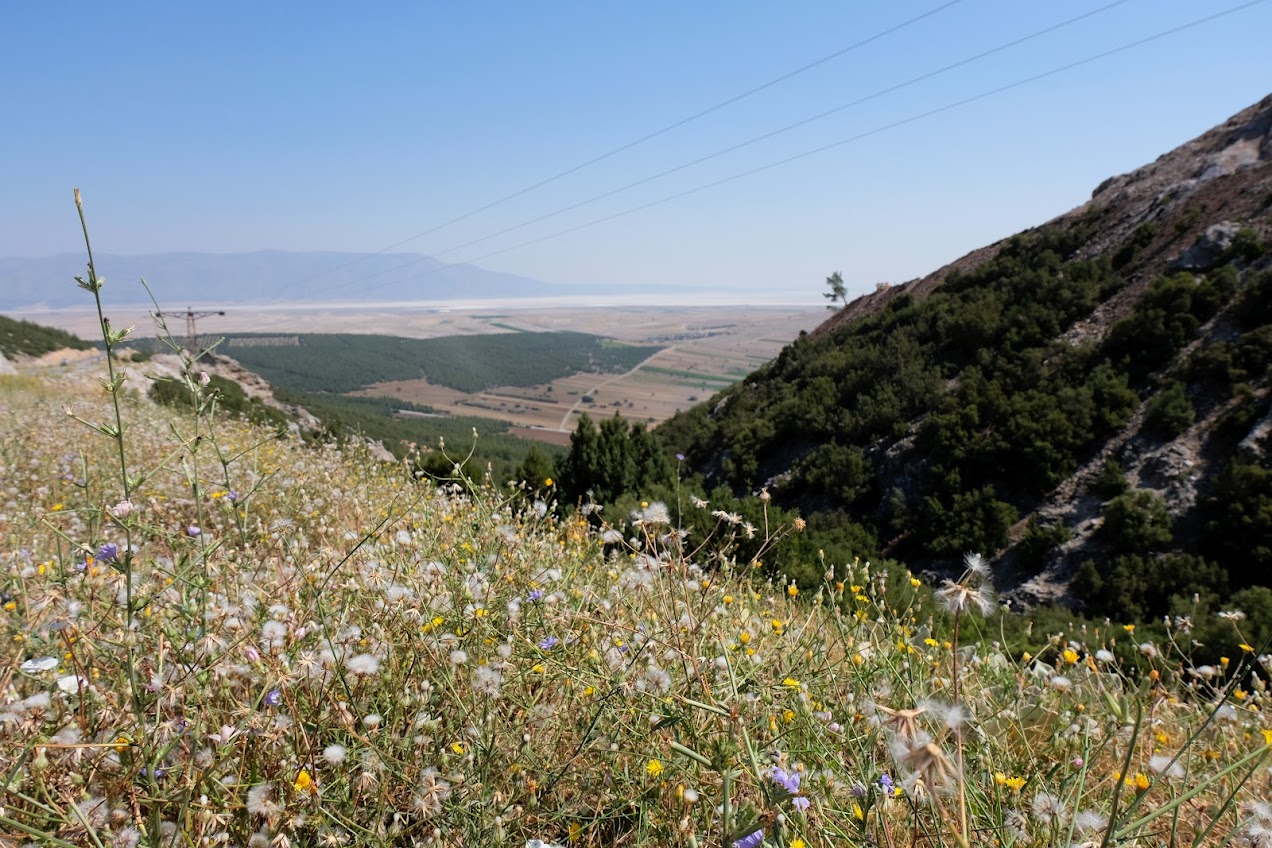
1038,541
1170,412
1137,522
1111,480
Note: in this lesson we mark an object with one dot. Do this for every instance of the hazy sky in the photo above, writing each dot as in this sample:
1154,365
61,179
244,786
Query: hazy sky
237,126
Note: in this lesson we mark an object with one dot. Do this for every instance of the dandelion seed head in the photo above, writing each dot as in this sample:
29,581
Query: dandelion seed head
363,664
261,801
975,564
1090,821
1048,808
1161,764
960,598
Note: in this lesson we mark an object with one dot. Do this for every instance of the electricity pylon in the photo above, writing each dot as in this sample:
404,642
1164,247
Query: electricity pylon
192,336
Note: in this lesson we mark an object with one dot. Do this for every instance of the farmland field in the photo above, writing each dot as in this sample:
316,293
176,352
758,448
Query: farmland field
702,350
657,359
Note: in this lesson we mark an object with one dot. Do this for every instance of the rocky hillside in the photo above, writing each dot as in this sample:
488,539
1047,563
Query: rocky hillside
1087,400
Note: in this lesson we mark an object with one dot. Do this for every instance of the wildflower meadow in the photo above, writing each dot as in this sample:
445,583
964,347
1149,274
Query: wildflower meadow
214,635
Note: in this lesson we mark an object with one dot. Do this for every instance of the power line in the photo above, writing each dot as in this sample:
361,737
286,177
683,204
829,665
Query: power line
872,132
765,136
655,134
756,139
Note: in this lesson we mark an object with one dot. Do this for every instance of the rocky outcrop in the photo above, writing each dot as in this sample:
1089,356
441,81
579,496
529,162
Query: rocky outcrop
1208,249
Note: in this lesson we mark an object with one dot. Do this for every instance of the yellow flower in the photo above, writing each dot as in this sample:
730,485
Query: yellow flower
653,768
858,659
305,783
576,829
457,747
1140,781
1129,628
1267,737
1223,661
792,590
858,812
916,582
744,637
547,481
1243,646
1070,656
797,843
788,716
728,599
791,682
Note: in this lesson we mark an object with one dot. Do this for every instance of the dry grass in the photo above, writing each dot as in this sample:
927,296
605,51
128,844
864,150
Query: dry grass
322,650
213,637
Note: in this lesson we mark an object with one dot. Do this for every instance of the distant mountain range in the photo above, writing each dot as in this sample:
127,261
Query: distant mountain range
261,277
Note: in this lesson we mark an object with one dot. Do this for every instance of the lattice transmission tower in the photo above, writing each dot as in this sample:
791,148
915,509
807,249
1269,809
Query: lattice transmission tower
190,316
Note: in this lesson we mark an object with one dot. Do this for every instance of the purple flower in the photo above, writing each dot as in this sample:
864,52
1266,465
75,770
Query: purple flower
787,780
535,595
193,530
108,552
858,790
751,840
549,643
885,783
232,495
273,698
680,457
800,803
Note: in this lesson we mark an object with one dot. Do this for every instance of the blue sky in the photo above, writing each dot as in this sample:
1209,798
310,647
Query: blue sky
313,126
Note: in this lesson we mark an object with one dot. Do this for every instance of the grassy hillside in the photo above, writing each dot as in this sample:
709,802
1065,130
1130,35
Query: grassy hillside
339,363
215,637
26,338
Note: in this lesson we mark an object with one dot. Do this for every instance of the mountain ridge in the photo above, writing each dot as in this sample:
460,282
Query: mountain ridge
1240,143
262,276
1072,400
